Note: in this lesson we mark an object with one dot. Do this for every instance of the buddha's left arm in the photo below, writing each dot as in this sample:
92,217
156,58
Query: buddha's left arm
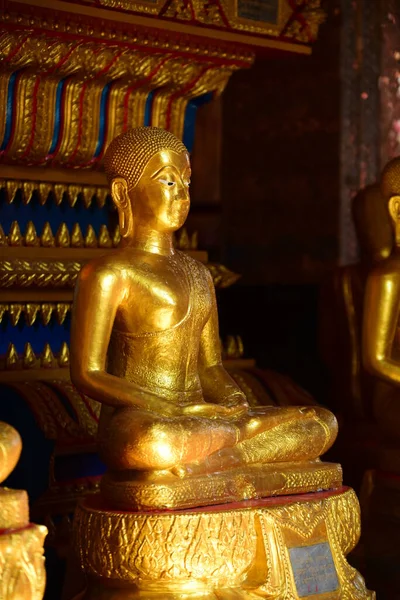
218,386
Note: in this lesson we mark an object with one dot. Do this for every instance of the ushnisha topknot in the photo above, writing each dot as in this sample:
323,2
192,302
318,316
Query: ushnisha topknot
390,181
129,153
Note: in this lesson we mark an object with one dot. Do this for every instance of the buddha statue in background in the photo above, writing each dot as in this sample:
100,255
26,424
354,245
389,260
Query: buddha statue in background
145,344
342,308
381,354
381,342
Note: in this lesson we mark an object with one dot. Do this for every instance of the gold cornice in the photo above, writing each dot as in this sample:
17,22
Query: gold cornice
58,83
168,26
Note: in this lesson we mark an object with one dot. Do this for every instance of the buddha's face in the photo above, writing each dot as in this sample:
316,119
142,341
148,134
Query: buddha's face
161,197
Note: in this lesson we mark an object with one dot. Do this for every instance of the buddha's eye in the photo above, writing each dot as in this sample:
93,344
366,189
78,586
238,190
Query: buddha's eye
167,182
187,183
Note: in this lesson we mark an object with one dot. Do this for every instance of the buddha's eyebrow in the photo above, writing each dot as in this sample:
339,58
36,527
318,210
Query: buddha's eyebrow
173,168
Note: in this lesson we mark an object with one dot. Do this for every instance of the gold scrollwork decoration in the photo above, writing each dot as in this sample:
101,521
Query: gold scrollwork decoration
185,551
38,273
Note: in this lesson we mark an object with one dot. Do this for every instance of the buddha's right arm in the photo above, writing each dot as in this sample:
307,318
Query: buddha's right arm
98,293
381,316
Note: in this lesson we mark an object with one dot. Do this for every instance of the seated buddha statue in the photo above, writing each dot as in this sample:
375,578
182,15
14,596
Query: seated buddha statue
342,307
145,344
381,340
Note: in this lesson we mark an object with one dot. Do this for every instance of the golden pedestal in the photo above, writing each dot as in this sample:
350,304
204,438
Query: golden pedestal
284,548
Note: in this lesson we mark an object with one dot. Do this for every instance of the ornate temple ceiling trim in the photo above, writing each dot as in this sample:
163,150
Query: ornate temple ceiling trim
241,15
67,98
224,21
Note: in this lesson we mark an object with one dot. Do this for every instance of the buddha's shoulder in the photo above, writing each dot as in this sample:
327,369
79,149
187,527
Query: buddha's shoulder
193,263
113,263
387,269
120,264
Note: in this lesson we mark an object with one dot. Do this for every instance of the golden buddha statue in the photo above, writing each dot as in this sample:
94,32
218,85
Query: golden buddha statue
381,342
381,354
176,432
342,307
145,342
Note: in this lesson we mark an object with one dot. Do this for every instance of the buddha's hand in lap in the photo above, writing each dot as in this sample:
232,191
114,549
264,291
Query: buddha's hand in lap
236,401
233,407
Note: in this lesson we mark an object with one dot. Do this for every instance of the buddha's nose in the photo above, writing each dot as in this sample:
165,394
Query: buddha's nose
183,195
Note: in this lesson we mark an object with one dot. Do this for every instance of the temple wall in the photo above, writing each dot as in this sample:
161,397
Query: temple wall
280,203
280,164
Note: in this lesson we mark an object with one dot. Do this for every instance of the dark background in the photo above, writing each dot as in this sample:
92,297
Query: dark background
273,215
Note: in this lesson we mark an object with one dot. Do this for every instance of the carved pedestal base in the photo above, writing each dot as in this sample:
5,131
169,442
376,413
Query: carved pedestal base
282,548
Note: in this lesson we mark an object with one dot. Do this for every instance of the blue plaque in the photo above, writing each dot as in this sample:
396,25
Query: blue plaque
313,569
263,11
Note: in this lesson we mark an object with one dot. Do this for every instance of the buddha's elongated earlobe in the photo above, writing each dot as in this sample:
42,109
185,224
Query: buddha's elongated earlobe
120,196
394,211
